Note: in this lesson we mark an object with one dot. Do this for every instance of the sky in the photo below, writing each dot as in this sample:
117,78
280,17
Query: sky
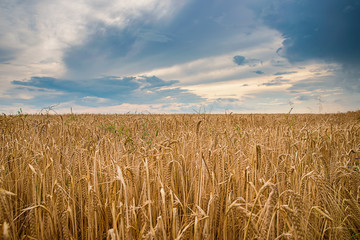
189,56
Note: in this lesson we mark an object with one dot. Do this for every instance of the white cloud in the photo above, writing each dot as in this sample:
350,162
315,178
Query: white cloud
244,86
218,67
38,32
219,77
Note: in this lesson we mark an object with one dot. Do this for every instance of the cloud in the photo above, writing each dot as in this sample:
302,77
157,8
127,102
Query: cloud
251,62
155,82
284,73
276,82
324,30
153,36
220,68
111,47
315,85
107,86
303,98
220,53
240,60
149,93
109,90
278,61
105,45
230,100
145,45
40,35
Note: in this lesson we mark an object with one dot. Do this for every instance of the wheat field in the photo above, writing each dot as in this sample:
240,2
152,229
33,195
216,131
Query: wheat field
186,176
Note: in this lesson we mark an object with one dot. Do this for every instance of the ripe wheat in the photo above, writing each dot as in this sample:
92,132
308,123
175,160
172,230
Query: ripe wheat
180,176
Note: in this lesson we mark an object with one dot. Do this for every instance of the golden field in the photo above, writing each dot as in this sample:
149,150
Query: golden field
191,176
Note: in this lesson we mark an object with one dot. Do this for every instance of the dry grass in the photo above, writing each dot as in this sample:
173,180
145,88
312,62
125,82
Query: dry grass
180,176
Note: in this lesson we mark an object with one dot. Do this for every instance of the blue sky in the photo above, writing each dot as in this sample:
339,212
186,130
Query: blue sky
167,56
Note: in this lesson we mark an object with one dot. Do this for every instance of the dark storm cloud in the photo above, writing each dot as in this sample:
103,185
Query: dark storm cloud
323,29
318,30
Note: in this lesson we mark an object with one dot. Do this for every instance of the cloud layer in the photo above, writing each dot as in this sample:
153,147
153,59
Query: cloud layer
252,55
108,90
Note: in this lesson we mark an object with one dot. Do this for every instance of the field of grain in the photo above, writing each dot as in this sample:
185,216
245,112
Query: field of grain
194,176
